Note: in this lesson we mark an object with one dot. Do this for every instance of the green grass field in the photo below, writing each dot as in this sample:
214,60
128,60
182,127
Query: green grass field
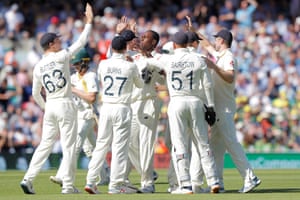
276,184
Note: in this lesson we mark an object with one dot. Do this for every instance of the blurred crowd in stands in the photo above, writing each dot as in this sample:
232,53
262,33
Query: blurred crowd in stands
267,48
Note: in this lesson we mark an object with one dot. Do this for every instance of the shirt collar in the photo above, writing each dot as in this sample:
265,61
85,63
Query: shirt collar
181,50
118,55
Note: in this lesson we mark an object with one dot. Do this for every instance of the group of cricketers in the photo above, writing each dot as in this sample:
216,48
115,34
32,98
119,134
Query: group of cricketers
201,92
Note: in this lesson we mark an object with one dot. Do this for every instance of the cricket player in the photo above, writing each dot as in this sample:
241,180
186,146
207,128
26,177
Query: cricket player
145,109
85,91
223,133
185,111
118,77
196,174
52,73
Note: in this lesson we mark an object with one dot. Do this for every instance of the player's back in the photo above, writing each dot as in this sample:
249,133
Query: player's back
184,73
117,78
54,74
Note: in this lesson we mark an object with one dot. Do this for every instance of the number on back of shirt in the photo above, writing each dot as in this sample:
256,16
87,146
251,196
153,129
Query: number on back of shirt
111,83
54,80
178,78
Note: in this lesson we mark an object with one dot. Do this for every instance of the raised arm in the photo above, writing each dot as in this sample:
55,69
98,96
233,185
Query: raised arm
253,3
205,43
89,14
83,38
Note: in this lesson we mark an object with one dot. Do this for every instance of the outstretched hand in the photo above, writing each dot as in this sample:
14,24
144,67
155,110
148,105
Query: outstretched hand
89,13
189,24
133,26
122,25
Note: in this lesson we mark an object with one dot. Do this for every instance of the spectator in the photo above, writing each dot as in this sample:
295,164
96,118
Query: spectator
3,129
54,24
201,13
244,14
14,19
227,15
3,30
109,18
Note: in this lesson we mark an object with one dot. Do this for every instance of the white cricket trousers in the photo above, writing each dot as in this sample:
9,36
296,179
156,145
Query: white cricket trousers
223,137
114,132
85,131
186,117
60,117
142,138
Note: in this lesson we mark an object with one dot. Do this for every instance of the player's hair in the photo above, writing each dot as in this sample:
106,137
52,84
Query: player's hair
228,43
155,36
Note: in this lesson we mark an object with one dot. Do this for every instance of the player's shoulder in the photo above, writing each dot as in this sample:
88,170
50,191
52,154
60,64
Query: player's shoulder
131,65
229,56
194,56
39,66
74,75
90,72
90,75
229,53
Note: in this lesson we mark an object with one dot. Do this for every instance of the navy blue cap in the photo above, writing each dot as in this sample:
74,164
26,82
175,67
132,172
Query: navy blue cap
118,43
192,36
225,35
128,35
47,38
180,37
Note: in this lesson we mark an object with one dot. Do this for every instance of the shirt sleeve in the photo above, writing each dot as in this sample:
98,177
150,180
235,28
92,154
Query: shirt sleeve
81,41
229,63
208,87
138,82
92,83
36,91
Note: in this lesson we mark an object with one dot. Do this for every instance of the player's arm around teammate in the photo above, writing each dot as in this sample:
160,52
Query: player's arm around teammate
223,137
185,111
145,113
117,77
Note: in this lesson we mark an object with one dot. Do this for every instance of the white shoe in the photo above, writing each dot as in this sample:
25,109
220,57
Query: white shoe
70,190
122,189
91,189
147,189
27,187
127,183
248,187
172,188
183,190
56,180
